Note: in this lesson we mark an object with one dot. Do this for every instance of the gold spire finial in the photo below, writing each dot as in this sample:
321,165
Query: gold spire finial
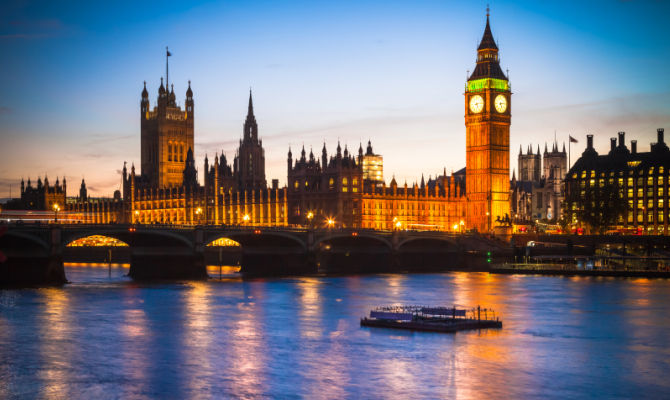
487,10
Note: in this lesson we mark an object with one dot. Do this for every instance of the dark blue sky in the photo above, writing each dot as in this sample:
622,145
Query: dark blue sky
393,71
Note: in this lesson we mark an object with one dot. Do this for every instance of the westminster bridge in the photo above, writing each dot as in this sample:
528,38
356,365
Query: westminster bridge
35,253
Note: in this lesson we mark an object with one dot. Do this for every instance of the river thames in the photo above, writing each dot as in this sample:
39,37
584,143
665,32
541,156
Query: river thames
102,337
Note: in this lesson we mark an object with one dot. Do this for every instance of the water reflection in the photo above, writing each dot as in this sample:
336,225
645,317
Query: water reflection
246,366
300,337
56,347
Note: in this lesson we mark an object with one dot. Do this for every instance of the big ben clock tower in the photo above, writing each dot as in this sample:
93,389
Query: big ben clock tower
487,122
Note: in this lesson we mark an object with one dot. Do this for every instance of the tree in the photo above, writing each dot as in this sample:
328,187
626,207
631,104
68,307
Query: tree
598,207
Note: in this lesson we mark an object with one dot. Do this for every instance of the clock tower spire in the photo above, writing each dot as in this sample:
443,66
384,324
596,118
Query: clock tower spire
487,123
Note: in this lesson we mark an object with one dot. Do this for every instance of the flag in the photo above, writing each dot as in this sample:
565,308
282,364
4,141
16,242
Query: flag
168,52
572,140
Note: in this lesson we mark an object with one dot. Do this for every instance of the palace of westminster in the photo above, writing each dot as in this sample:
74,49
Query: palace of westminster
347,189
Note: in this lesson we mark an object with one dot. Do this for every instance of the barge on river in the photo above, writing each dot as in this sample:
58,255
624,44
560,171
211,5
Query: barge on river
432,319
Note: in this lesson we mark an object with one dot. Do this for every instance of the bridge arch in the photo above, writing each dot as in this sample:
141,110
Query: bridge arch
11,238
137,238
353,238
90,241
415,242
257,238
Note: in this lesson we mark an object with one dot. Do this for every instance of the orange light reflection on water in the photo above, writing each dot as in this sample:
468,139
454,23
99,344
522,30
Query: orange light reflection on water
56,350
246,345
198,336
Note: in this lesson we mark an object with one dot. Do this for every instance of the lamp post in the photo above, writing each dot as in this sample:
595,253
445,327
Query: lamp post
246,219
137,216
56,208
198,213
330,222
462,226
310,217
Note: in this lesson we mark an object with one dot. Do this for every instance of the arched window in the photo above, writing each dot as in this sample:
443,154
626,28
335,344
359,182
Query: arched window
344,181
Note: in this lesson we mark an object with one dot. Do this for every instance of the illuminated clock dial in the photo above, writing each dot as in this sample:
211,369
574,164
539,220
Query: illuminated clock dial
476,104
501,103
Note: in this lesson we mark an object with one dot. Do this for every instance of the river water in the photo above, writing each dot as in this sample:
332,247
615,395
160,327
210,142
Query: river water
109,337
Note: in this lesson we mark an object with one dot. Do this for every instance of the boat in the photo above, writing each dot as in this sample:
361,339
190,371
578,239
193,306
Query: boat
432,319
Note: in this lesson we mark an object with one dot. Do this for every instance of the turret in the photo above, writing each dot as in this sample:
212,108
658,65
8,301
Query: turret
289,159
324,156
189,102
144,103
83,193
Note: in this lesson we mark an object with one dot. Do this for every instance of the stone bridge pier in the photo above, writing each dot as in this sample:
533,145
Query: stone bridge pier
32,258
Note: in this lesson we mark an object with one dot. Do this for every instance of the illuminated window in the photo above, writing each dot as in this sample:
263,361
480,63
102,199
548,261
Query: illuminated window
344,181
650,181
630,182
660,170
331,182
354,181
296,185
306,184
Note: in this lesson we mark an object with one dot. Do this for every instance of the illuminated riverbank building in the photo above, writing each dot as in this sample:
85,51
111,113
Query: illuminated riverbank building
641,178
341,189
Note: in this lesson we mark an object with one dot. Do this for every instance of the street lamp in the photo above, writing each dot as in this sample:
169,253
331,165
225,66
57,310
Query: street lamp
137,216
310,216
330,222
56,208
246,218
198,213
462,225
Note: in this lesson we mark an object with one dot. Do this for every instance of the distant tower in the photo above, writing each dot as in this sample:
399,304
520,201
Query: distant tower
487,124
250,159
555,163
166,136
83,193
529,166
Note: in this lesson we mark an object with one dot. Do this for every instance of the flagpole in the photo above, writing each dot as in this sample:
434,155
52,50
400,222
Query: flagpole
167,72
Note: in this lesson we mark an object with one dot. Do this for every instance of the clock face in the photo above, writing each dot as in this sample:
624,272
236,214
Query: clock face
476,104
501,103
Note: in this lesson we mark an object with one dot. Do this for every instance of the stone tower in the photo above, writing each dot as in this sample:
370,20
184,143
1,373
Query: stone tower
530,165
166,137
249,162
487,124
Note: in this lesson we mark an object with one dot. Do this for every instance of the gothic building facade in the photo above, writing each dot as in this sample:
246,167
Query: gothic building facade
344,188
43,196
334,191
536,196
